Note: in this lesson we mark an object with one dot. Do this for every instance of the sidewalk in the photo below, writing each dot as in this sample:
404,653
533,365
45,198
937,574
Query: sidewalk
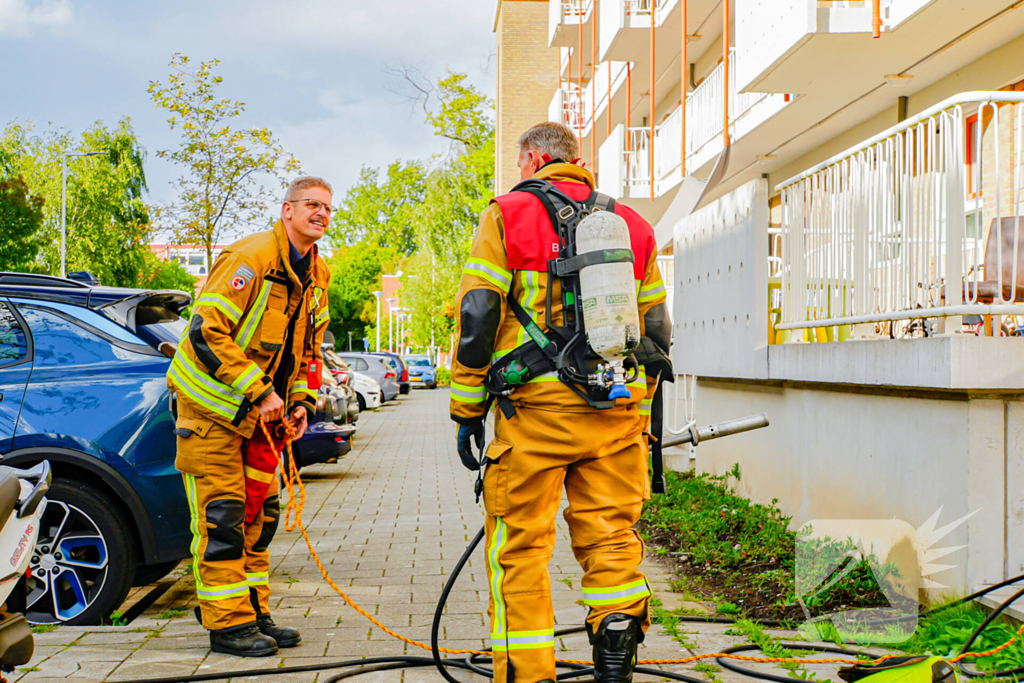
389,522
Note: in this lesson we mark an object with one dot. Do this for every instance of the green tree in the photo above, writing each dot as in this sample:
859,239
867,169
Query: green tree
21,217
157,273
223,186
458,189
382,211
107,216
355,274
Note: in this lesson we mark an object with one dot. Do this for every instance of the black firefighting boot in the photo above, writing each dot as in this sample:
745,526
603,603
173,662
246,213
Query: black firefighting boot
285,636
244,640
615,645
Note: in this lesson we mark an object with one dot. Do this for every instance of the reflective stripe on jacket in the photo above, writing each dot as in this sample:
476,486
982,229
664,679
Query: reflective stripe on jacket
235,341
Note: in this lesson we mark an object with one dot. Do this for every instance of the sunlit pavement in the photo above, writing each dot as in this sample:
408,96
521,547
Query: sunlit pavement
389,522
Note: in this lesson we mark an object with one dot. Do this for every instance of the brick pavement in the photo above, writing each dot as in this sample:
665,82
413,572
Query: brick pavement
389,521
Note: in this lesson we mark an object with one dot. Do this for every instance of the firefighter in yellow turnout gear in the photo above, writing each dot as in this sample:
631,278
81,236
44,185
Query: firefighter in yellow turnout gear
249,352
555,438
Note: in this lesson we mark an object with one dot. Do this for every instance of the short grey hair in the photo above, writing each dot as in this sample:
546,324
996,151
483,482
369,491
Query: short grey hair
304,183
553,139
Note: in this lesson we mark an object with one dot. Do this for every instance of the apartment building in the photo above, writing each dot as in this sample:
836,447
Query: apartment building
854,269
192,259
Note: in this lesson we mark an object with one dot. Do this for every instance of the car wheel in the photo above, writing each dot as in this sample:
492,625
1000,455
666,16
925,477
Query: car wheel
146,574
84,560
362,402
433,385
382,398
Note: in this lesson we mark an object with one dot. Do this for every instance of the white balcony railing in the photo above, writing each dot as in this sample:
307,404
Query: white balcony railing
578,112
644,7
704,124
575,11
884,231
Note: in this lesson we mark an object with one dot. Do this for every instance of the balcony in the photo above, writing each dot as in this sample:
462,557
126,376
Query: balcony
909,231
801,46
704,125
565,17
579,111
624,28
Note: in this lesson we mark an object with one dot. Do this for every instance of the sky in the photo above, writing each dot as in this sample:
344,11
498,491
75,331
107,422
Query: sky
314,71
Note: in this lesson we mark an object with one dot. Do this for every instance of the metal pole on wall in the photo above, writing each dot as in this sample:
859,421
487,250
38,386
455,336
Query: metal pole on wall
725,59
593,87
684,84
650,145
579,83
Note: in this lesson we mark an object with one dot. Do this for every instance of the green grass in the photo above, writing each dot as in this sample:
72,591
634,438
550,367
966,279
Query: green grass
173,613
43,628
945,633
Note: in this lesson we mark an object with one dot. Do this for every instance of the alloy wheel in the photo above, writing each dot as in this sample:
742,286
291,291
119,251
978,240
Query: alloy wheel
68,566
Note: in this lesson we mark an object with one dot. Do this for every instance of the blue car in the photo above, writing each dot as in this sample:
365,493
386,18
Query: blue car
83,385
422,372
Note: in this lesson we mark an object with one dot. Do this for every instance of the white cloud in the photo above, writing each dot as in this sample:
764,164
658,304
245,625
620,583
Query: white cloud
18,18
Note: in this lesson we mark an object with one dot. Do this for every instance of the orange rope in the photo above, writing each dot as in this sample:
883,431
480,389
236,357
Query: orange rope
296,504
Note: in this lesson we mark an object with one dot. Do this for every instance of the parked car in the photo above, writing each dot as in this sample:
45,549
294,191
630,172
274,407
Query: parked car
341,373
400,367
344,391
422,371
377,368
328,436
83,385
368,391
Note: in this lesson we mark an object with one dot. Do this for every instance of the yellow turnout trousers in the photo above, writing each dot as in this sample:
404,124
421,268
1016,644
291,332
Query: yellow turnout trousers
601,459
230,560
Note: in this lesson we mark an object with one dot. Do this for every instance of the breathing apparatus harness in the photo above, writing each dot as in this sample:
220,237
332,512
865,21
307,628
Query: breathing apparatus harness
563,349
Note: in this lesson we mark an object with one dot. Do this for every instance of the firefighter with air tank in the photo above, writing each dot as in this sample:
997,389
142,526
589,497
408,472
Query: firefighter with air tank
563,325
251,353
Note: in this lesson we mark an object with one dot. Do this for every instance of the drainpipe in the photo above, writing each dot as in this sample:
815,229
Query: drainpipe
650,145
593,87
725,60
579,83
684,68
876,19
629,106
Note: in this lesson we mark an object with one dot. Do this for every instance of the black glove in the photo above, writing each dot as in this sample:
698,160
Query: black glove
476,431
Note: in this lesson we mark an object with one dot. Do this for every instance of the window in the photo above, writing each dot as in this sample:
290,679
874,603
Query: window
60,342
13,344
360,365
195,260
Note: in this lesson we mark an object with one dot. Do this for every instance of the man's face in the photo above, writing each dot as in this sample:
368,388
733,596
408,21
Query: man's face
309,213
529,163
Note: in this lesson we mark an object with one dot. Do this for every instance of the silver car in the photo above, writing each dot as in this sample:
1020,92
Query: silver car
377,368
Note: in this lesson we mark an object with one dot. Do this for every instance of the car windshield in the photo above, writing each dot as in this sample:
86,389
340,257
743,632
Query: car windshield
419,362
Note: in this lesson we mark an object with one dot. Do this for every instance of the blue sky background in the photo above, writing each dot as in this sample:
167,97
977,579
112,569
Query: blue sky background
312,71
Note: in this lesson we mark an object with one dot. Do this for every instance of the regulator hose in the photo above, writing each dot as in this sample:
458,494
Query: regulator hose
579,673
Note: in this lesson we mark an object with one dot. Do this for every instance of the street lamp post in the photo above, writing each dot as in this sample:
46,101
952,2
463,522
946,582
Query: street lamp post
350,341
391,324
64,206
378,295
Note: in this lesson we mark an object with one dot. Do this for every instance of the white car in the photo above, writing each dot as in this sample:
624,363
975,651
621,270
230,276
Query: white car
367,391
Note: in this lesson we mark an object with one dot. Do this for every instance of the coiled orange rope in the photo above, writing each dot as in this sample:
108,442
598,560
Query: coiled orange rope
296,503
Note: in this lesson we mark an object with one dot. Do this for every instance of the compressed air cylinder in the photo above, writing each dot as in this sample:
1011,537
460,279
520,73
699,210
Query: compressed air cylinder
608,290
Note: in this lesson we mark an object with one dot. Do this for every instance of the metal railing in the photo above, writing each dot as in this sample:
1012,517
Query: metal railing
574,9
704,106
704,123
884,232
643,7
573,111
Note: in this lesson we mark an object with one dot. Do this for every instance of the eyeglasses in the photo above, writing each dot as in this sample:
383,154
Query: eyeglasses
313,205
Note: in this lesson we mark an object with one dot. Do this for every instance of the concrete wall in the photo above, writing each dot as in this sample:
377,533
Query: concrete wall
836,453
527,76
